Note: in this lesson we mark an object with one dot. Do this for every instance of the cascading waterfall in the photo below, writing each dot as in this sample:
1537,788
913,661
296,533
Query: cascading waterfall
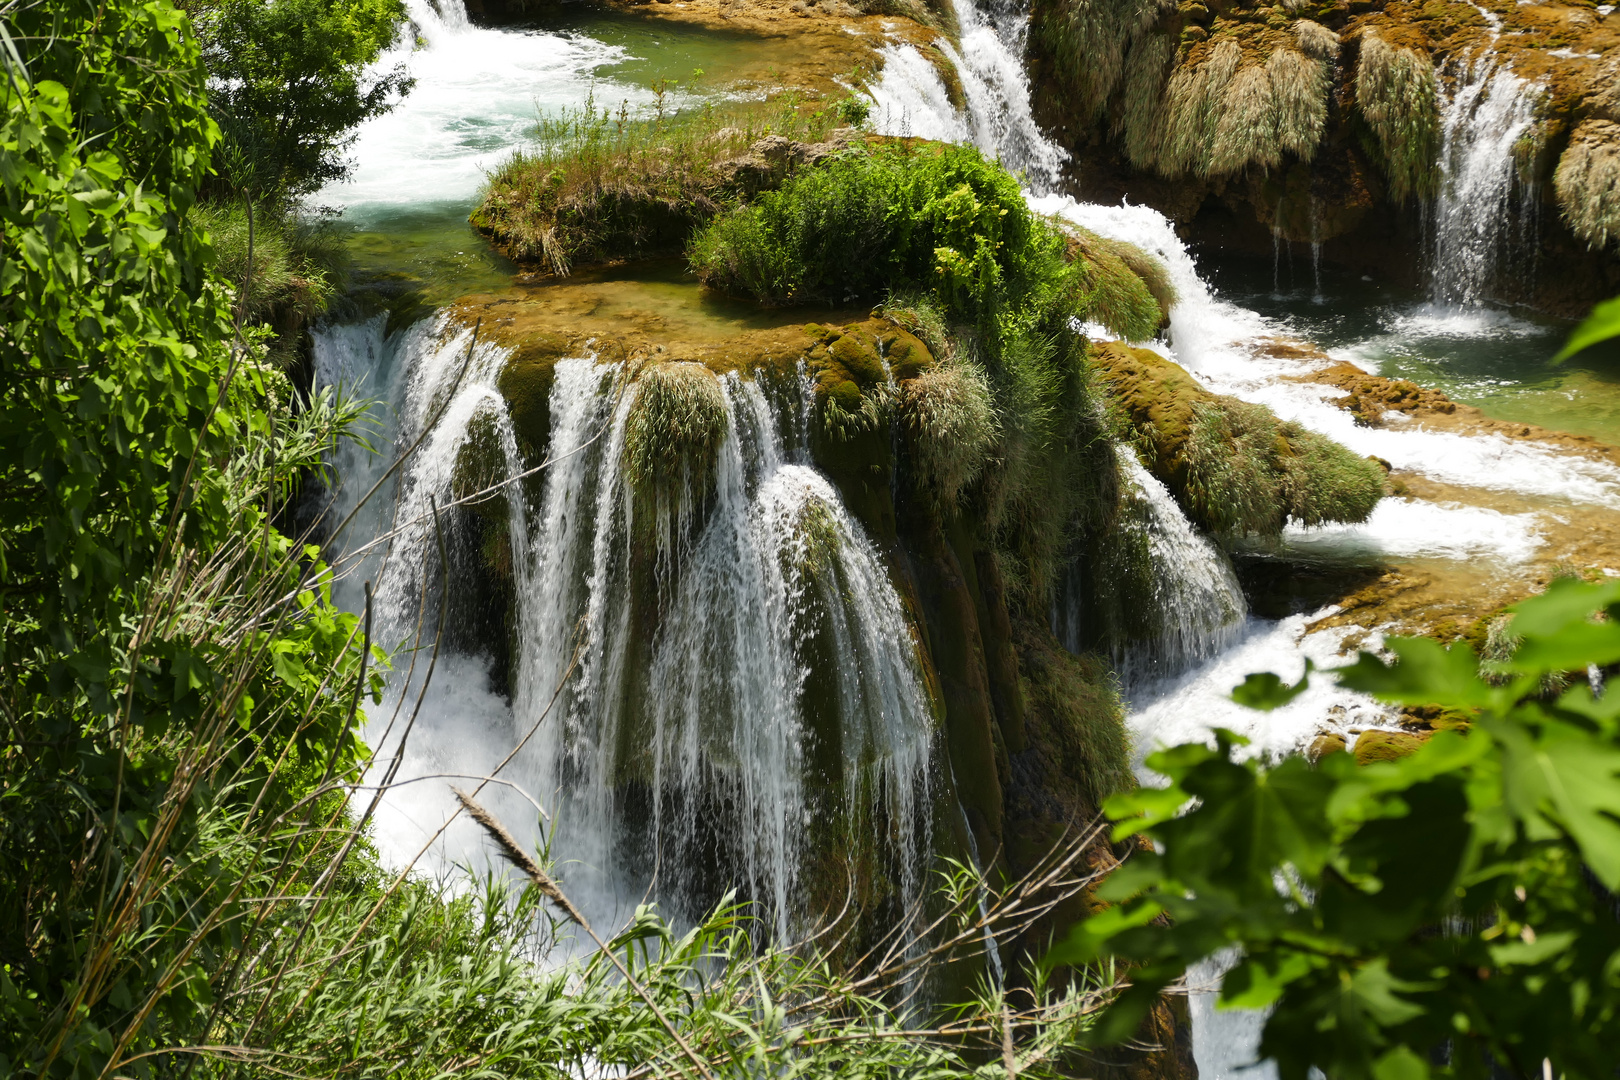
776,633
1200,608
735,689
1483,125
912,99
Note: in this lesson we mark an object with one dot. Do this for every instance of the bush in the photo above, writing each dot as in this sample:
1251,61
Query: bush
603,185
1448,912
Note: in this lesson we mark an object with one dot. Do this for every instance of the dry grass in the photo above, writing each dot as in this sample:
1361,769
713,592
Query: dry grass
1588,183
1226,115
1094,46
1397,95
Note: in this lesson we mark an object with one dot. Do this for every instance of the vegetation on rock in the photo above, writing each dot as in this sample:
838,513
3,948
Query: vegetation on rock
1460,896
603,185
1233,466
1588,182
1398,97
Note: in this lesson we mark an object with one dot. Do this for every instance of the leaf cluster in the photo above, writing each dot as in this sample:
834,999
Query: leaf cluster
1426,916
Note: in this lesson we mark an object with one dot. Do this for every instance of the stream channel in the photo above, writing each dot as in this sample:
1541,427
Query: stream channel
1481,512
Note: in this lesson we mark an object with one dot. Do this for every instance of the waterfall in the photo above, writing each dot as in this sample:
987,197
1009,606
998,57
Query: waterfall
437,19
1489,112
737,689
912,98
1199,607
1226,1042
779,643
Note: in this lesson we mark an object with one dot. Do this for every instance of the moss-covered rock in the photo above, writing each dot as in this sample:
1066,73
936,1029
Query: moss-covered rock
1232,465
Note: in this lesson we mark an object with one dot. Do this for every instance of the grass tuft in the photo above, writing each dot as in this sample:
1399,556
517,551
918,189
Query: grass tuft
673,433
1588,183
950,417
1397,94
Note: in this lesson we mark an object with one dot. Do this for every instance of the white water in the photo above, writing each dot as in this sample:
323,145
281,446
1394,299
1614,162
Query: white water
1223,346
1488,113
679,758
1200,606
478,92
911,98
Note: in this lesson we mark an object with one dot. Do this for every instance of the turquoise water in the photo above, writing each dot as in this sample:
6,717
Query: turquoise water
1497,360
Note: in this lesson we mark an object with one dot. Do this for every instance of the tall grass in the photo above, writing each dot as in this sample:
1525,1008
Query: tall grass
602,184
1398,97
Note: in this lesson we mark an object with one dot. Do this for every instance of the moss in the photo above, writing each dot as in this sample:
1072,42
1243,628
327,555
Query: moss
525,383
1376,746
1587,183
673,433
1232,465
1398,97
1074,702
1129,291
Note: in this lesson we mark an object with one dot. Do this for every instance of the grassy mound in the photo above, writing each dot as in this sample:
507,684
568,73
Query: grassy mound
603,185
1233,466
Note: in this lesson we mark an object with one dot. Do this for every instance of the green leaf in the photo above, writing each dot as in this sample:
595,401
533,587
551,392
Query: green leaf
1563,776
1426,673
1600,326
1542,948
1400,1064
1266,691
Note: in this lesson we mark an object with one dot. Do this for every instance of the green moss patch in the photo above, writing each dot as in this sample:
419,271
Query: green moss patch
1233,466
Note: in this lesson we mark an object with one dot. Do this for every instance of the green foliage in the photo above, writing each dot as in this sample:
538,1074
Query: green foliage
1249,473
296,267
1602,325
1456,905
161,644
602,185
1004,288
949,415
290,81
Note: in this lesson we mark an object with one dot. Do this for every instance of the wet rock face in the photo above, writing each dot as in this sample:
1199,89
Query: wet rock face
1328,123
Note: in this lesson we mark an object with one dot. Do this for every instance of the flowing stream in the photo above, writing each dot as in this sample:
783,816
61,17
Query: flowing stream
668,662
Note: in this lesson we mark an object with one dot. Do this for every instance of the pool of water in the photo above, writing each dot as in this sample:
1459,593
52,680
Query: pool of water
479,91
1496,360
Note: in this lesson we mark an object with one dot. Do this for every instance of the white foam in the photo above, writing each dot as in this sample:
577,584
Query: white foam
1221,344
1415,528
478,93
1189,707
910,99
